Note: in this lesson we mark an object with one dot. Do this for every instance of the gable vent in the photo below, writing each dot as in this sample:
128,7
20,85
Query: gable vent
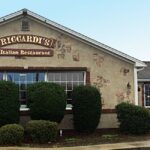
25,25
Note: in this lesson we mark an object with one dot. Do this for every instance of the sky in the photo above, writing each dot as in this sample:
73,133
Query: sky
120,24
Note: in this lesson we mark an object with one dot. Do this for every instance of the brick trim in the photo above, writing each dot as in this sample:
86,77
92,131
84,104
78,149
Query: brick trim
6,68
25,113
104,111
88,82
108,111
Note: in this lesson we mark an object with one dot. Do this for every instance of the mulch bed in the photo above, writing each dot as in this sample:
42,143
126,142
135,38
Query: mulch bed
92,139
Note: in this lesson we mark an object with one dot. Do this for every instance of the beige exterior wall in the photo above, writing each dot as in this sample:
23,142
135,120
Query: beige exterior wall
106,121
109,73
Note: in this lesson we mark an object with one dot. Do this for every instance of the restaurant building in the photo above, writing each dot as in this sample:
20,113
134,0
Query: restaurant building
144,86
34,49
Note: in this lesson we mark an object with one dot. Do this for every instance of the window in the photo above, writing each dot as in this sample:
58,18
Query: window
147,95
25,25
24,80
68,80
1,76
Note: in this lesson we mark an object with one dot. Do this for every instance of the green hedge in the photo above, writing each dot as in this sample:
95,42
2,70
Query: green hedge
133,119
47,101
86,108
11,134
41,131
9,103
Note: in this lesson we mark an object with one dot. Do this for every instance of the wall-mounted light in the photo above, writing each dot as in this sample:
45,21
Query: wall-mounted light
128,86
139,89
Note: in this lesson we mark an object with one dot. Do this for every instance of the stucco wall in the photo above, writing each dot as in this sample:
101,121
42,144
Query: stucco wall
108,73
106,121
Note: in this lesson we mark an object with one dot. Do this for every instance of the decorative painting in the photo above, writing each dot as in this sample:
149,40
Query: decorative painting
98,59
76,56
124,71
101,82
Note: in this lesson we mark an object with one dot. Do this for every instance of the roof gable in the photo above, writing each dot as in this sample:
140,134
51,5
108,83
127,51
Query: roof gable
76,35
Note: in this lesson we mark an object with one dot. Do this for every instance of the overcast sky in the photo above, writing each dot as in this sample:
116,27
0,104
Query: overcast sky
121,24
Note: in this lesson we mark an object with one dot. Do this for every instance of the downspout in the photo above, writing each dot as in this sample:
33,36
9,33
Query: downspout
136,83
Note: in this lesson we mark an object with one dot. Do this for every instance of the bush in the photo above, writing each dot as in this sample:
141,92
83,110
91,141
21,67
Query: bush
47,101
133,119
41,131
11,134
9,103
86,108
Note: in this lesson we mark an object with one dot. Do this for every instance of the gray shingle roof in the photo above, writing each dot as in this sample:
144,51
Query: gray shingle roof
145,73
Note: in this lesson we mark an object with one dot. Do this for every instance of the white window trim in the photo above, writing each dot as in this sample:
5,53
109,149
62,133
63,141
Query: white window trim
68,106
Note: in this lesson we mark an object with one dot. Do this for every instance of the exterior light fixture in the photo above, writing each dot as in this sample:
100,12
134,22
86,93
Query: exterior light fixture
128,86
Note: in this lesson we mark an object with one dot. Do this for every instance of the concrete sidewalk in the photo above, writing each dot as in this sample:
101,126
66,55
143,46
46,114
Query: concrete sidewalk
115,146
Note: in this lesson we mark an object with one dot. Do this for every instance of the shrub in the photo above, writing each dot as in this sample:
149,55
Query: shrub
11,134
41,131
47,101
133,119
9,103
86,108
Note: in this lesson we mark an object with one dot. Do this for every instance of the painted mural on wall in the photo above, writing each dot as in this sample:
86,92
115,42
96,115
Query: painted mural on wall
123,96
76,55
62,49
124,71
98,59
101,81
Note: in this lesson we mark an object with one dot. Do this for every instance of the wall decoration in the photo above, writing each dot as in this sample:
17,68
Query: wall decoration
98,59
120,96
101,82
124,71
76,56
62,49
123,96
68,48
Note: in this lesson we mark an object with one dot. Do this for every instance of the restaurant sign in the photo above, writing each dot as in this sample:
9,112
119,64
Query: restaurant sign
27,38
26,52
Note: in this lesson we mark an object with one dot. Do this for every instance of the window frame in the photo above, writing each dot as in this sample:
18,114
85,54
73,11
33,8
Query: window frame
23,107
144,94
68,106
